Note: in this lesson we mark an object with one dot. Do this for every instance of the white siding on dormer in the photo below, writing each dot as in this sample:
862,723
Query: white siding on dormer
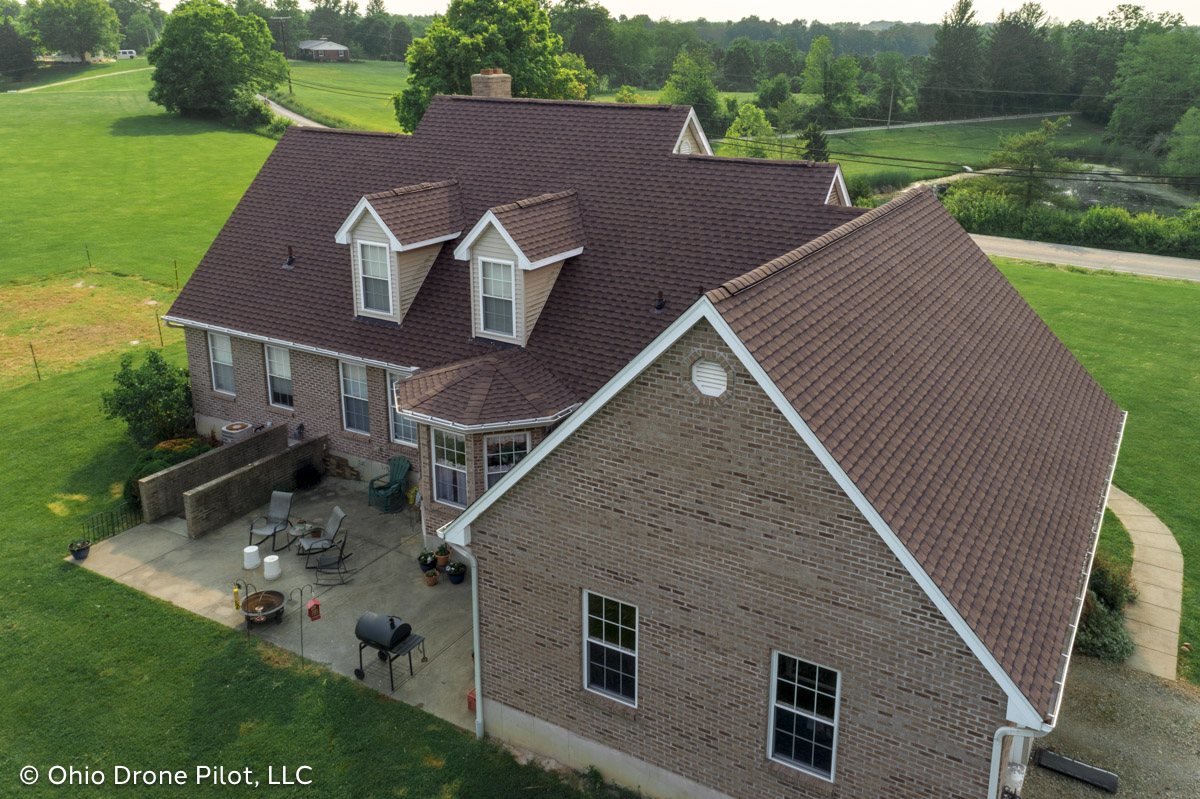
369,230
491,246
538,283
413,266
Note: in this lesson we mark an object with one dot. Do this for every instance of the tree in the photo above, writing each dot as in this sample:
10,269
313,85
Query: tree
751,123
573,80
326,19
1158,79
16,51
777,58
154,400
834,80
10,8
1183,147
738,67
212,62
690,83
816,143
790,115
512,35
895,83
74,27
1027,154
773,92
140,22
953,72
588,30
401,39
373,33
1021,58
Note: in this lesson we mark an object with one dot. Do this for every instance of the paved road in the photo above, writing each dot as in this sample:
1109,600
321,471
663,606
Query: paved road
899,126
292,115
1091,258
77,80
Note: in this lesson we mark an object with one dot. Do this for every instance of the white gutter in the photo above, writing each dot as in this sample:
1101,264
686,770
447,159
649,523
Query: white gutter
466,553
998,748
292,345
486,428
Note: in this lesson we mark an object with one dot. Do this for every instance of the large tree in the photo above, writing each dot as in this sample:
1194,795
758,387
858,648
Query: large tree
1158,79
74,27
895,83
212,62
690,83
512,35
1183,148
1022,62
588,30
835,81
954,68
1032,157
16,51
140,22
739,66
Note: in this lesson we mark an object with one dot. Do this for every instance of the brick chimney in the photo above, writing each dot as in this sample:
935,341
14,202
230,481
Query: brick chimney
491,83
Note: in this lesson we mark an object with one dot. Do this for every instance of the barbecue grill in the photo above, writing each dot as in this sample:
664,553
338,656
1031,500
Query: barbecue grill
390,637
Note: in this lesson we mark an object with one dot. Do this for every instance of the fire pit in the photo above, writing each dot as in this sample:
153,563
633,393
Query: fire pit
260,607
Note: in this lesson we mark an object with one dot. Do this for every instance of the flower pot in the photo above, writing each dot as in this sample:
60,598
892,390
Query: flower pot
426,565
81,553
442,560
455,579
431,577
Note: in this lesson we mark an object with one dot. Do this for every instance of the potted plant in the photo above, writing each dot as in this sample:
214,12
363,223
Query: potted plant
431,577
443,555
79,549
427,560
457,571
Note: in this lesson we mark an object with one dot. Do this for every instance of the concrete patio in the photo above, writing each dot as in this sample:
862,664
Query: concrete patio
198,575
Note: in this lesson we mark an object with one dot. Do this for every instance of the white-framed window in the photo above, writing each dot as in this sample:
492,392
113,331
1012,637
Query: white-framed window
496,298
376,277
279,377
404,430
449,467
504,452
220,356
804,713
610,647
355,410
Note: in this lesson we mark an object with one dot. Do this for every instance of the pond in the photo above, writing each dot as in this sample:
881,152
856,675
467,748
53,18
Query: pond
1108,186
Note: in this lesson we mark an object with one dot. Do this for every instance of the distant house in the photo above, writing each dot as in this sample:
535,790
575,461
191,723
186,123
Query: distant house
69,58
324,50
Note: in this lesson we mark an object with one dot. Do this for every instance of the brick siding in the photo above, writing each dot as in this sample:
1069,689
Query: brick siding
717,522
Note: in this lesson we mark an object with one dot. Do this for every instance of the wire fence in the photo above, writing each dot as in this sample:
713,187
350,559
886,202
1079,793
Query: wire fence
106,524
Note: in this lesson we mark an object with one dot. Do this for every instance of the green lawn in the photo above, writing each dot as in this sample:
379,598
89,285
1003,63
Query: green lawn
1139,338
53,73
97,164
349,93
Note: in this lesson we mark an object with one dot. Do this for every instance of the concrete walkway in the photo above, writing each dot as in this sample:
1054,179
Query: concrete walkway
1152,620
1091,257
287,113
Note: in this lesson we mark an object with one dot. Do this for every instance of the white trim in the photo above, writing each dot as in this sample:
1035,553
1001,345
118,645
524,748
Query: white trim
433,467
463,251
291,345
267,362
837,710
364,206
363,276
1020,709
637,640
697,132
392,379
539,421
212,371
512,300
528,446
553,259
342,397
839,185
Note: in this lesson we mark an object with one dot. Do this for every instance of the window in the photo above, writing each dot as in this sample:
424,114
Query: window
279,376
449,468
610,647
376,277
804,707
404,430
496,301
220,355
354,398
503,453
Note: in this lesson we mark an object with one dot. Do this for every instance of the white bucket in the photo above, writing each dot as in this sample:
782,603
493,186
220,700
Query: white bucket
250,558
271,570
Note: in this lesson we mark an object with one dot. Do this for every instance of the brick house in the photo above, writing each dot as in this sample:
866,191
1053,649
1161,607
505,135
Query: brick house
324,50
764,495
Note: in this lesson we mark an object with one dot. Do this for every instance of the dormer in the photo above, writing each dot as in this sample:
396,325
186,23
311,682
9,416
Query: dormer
394,237
692,140
515,253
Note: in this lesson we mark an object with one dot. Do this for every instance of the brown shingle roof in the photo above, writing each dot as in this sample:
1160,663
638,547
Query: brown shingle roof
543,226
967,425
654,221
499,387
420,212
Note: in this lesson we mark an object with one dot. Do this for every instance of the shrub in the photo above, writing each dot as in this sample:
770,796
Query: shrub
859,189
627,94
1111,585
154,400
157,459
1102,632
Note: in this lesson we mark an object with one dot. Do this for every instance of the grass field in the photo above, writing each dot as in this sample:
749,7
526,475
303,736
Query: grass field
1139,338
353,95
53,73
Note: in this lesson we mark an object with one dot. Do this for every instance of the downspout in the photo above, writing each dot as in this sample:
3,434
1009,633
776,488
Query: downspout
998,748
474,564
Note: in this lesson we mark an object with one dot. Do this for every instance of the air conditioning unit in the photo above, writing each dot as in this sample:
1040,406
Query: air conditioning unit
236,431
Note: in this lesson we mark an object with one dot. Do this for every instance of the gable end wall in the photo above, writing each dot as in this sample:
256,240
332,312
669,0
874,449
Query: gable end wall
716,521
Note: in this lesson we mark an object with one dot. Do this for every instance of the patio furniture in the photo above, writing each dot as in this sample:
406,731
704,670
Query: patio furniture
250,559
276,521
312,546
331,564
387,490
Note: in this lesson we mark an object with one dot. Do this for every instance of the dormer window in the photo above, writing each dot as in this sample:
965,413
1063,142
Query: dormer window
496,297
376,277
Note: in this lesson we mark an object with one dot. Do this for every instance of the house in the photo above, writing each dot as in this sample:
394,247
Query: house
71,58
324,50
764,494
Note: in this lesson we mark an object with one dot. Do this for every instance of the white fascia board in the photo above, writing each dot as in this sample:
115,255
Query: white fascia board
364,206
694,122
291,345
514,424
1020,709
562,256
463,251
838,185
418,245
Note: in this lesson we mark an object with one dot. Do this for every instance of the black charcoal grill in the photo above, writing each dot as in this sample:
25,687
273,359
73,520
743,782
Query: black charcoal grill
390,637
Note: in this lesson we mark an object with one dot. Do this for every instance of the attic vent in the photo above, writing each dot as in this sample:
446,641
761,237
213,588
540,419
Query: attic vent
710,377
685,146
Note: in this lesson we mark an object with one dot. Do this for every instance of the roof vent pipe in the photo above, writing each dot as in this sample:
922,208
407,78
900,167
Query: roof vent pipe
291,261
659,303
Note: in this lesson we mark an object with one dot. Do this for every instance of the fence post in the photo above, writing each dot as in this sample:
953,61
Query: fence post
158,321
35,363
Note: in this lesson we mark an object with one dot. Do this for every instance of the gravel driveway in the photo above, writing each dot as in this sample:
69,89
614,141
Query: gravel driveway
1145,729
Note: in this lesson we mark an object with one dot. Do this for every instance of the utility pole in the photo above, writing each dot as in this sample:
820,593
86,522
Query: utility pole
283,36
891,98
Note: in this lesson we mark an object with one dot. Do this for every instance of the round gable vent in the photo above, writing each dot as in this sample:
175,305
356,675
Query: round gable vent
710,377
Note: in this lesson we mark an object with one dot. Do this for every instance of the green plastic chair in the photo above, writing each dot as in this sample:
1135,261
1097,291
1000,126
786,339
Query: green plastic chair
387,490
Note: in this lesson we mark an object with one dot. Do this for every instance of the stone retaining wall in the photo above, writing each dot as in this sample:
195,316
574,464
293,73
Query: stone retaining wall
220,501
162,492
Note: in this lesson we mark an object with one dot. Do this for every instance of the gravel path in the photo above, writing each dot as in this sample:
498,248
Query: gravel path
1143,728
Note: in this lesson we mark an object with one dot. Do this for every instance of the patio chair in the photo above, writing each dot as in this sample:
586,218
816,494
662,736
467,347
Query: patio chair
312,546
387,490
276,521
331,564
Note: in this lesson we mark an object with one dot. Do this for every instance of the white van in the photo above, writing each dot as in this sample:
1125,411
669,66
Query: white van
127,54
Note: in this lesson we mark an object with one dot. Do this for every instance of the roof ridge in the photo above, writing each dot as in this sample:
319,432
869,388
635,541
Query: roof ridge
413,188
777,162
529,202
788,259
579,103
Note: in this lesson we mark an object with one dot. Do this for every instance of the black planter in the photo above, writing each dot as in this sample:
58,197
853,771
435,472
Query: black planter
81,553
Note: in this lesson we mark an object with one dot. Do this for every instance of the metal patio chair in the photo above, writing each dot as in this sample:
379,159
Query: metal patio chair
313,546
331,564
276,521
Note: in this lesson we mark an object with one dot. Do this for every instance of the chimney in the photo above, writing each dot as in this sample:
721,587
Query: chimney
491,83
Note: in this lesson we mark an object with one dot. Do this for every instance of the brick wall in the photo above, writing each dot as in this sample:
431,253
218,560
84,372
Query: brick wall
224,499
162,492
716,521
316,386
